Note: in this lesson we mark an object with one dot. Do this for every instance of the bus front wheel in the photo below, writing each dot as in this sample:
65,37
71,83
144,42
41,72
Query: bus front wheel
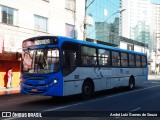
131,83
87,90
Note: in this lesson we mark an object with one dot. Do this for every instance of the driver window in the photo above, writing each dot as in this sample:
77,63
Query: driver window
53,60
70,57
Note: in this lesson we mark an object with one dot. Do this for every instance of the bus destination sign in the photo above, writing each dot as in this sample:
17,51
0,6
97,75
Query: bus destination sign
35,42
42,42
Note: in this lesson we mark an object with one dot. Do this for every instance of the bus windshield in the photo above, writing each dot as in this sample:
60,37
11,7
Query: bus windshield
40,61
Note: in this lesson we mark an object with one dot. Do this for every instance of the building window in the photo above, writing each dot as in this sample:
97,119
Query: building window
70,5
8,15
130,47
40,23
70,32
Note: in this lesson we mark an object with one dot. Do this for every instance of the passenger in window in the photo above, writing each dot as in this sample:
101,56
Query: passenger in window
93,61
54,65
85,60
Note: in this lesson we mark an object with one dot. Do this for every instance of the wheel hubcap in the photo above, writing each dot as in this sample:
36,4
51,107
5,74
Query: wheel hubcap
87,90
131,85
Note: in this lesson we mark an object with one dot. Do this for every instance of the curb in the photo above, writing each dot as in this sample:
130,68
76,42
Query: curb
14,90
153,77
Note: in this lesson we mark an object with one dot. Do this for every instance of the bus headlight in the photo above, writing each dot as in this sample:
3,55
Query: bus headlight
55,81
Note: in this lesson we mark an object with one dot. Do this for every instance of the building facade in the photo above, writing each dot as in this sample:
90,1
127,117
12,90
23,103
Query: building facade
105,14
136,20
23,19
117,23
155,38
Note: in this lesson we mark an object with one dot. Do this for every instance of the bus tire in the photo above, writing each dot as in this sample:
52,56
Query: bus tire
131,84
87,90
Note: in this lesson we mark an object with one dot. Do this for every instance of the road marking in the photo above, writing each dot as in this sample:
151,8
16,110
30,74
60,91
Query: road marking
20,99
12,100
154,82
135,109
9,118
66,106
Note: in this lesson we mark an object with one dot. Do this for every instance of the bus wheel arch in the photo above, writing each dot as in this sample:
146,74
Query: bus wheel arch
131,83
87,88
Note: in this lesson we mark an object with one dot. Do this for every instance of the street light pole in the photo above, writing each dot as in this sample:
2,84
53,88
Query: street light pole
85,25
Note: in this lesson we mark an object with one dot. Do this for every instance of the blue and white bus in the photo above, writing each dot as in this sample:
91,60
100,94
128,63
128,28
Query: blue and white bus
61,66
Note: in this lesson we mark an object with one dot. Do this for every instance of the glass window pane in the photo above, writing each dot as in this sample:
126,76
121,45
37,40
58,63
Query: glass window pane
7,15
4,15
70,4
131,60
10,16
104,57
124,59
41,23
115,58
138,61
70,32
88,56
144,61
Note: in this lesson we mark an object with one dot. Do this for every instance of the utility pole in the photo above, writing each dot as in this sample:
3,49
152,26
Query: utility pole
85,15
85,11
156,49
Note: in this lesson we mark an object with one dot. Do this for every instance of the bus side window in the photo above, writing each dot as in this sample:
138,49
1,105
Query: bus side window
69,58
85,60
138,61
115,59
104,57
131,60
144,61
88,56
124,59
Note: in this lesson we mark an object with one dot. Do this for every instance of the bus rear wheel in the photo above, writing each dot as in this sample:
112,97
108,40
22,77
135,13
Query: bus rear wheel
131,85
87,90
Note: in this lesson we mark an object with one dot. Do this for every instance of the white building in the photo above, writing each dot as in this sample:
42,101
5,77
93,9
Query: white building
21,19
155,37
155,28
135,21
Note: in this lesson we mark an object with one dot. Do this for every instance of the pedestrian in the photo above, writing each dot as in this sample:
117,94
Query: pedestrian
10,75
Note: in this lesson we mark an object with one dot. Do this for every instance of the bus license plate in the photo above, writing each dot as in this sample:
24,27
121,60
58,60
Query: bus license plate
34,90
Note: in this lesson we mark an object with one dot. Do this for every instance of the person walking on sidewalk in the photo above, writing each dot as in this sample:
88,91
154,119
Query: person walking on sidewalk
10,75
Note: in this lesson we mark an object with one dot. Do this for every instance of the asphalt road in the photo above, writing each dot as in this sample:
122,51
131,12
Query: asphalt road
118,104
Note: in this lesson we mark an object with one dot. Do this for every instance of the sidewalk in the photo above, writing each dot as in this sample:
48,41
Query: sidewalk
153,77
14,90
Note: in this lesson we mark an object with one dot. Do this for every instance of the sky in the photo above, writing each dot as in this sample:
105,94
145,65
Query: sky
155,1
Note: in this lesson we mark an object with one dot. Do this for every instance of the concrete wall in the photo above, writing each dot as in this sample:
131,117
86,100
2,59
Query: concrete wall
54,10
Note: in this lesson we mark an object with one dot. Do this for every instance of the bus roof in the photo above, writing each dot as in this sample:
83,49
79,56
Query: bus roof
97,45
67,39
